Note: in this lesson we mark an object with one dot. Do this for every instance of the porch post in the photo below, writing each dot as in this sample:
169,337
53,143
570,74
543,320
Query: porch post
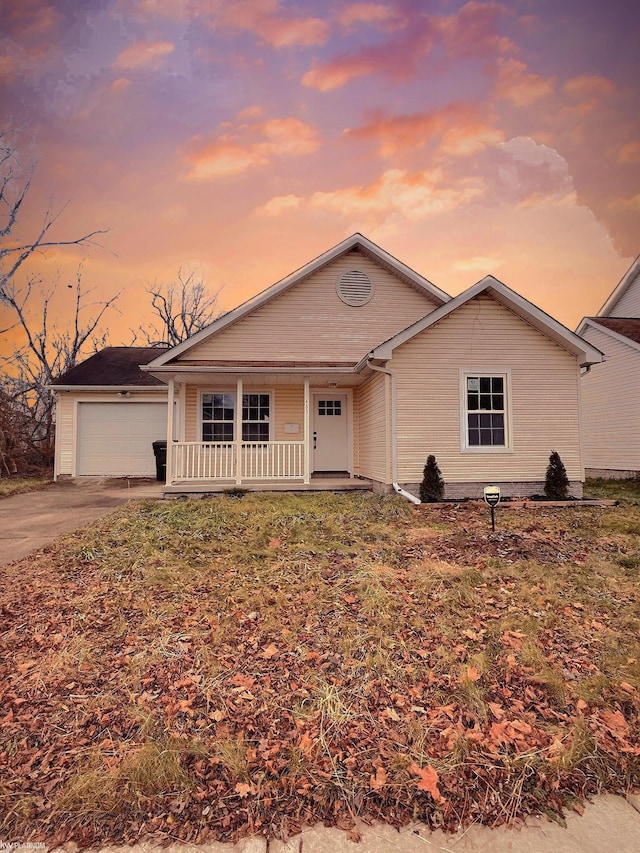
238,430
307,433
170,406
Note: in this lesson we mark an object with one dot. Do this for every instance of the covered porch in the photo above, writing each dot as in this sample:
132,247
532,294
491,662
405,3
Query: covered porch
264,430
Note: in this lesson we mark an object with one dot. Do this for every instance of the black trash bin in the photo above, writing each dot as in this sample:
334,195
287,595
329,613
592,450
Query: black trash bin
160,452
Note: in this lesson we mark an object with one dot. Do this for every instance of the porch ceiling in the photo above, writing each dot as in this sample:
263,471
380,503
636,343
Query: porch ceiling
317,376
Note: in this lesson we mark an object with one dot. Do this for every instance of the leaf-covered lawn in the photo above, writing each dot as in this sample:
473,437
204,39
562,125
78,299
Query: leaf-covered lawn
203,669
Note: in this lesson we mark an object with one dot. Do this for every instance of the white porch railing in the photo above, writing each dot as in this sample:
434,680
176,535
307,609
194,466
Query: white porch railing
273,460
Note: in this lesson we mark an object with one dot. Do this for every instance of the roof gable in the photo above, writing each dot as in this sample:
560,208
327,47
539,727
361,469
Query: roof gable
623,329
511,300
356,244
624,295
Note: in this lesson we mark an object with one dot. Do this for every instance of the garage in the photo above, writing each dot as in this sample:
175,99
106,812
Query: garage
115,438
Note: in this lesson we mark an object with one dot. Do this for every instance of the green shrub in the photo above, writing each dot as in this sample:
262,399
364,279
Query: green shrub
556,482
432,486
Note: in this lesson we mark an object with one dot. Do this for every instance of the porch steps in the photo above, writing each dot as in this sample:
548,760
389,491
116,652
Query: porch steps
192,488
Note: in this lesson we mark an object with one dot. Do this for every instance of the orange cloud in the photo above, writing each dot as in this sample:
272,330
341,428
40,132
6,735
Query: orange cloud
250,146
413,195
464,140
461,133
143,54
266,19
280,204
366,13
518,85
629,153
120,85
472,31
588,85
27,19
7,67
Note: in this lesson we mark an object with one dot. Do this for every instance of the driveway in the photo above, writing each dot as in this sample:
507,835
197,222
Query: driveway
32,520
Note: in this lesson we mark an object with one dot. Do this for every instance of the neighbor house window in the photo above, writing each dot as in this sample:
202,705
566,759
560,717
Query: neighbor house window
218,416
485,411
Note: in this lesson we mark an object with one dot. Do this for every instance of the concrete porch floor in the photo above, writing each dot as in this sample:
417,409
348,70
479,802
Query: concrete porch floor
317,484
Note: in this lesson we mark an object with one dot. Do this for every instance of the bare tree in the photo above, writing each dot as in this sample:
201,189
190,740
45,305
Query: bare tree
182,307
15,183
45,353
41,351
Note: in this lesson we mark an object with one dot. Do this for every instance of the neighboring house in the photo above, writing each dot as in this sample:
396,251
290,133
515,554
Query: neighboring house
610,395
356,368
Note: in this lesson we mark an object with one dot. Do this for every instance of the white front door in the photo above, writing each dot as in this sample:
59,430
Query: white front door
330,435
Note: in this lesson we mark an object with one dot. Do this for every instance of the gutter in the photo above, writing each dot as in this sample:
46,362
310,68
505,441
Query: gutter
394,434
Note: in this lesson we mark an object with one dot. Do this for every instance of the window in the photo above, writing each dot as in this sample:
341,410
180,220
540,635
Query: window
255,417
330,407
218,417
485,411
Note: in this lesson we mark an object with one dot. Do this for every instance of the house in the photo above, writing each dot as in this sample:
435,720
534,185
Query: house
353,368
610,396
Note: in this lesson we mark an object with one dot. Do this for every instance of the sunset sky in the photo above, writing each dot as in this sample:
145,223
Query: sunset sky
248,137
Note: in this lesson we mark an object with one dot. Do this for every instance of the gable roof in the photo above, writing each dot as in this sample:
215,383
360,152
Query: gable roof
356,241
511,300
624,329
113,367
625,283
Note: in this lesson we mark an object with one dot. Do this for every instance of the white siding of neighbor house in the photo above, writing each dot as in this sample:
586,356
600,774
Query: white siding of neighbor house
484,336
611,406
65,413
629,303
310,322
373,432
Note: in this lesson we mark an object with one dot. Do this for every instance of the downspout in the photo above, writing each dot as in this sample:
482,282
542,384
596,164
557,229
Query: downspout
394,434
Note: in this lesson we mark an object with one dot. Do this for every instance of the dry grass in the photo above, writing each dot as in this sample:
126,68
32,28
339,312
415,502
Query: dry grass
209,668
19,485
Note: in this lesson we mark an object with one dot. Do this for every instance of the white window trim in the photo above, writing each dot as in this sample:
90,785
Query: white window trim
232,390
504,373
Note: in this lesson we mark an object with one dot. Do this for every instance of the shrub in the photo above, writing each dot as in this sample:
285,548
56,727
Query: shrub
432,486
556,482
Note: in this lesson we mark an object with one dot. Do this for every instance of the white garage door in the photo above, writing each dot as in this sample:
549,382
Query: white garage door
115,439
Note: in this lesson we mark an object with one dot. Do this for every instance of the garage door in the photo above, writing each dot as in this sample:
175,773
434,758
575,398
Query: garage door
115,439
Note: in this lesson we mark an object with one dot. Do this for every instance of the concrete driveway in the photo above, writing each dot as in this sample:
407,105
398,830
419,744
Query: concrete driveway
32,520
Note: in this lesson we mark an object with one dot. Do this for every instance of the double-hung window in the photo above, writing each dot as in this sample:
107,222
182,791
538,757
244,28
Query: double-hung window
485,411
219,413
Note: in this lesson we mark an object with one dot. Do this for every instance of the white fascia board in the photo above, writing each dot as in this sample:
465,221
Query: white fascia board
621,288
113,389
511,300
593,322
355,240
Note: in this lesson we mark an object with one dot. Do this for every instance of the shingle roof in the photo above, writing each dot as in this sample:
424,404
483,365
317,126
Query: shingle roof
629,327
113,366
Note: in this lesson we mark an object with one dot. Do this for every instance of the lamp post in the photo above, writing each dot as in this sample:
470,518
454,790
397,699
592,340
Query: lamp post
492,497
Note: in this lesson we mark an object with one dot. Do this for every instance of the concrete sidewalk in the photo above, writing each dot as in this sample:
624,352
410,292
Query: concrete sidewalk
609,825
34,519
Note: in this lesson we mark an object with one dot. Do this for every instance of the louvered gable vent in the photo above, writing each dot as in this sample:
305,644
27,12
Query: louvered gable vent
355,288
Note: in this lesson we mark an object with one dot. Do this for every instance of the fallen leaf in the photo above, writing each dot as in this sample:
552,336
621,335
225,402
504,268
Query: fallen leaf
379,779
269,651
243,789
428,780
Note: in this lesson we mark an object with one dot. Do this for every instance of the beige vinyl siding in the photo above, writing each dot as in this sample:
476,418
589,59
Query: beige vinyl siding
483,336
288,409
629,303
611,406
192,416
65,415
310,321
374,439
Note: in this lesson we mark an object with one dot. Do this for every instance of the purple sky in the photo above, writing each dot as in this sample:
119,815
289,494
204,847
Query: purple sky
247,137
